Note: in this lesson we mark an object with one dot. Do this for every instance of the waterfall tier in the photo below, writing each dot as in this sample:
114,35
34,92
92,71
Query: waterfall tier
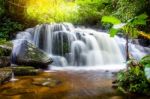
70,46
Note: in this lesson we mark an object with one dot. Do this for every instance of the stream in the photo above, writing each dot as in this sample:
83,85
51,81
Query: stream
72,85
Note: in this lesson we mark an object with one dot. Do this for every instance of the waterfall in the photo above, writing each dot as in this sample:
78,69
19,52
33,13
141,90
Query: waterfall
70,46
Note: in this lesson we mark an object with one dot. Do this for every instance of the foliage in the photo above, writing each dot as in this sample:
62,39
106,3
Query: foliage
47,11
75,11
145,60
90,11
129,27
133,81
111,19
2,10
136,78
79,11
127,9
8,26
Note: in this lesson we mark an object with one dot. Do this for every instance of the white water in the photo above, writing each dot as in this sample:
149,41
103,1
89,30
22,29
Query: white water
77,48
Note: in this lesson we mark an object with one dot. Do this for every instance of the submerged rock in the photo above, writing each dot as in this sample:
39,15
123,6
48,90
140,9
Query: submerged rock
25,70
25,53
5,75
14,91
48,82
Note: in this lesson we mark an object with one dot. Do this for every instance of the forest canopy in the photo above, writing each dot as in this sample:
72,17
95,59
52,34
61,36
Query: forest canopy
87,12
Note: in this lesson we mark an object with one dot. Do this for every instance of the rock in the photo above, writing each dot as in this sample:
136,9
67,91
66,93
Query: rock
25,70
48,82
25,53
6,49
5,74
144,42
135,41
14,91
4,61
5,53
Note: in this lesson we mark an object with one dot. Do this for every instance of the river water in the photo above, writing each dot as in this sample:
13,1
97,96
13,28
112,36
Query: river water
73,85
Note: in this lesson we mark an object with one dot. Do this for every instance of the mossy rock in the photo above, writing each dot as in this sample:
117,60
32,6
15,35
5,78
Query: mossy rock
29,55
6,49
5,61
5,75
25,70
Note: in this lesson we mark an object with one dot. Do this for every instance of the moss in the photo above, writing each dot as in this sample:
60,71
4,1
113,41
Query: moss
4,52
25,70
5,48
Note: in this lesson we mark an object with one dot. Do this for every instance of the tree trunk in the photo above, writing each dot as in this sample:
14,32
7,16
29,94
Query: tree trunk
127,47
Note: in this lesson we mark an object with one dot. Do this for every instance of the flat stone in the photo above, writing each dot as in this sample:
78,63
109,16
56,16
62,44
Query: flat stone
48,82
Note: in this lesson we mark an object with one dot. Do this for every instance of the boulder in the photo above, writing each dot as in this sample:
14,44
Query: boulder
5,75
25,53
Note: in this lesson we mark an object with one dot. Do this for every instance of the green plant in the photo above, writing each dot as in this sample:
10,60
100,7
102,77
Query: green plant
127,9
2,10
8,26
90,11
145,60
133,81
136,78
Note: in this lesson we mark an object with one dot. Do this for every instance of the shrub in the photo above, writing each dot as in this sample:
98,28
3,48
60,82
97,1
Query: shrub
135,79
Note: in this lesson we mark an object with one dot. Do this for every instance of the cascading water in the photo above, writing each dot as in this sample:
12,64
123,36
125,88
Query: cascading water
70,47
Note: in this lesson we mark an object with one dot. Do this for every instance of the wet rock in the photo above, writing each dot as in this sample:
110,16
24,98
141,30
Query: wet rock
25,70
5,75
48,82
141,41
4,61
25,53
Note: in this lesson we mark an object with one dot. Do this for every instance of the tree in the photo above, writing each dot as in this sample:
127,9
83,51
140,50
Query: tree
129,28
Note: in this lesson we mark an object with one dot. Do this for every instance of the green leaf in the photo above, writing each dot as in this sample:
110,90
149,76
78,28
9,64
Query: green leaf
140,20
113,32
110,19
142,16
147,65
145,60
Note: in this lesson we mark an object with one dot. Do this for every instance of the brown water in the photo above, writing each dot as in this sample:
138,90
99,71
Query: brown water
72,85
